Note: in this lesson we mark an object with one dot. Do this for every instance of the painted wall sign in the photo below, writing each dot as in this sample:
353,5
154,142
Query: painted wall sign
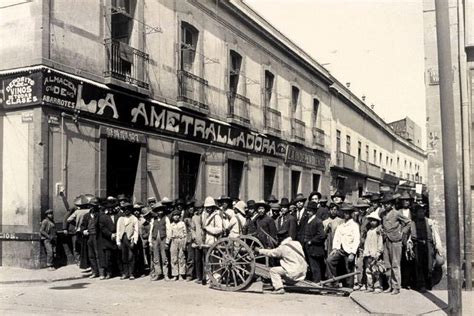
121,134
305,157
22,90
27,117
19,236
53,120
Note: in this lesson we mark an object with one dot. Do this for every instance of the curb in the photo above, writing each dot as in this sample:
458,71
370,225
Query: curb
43,280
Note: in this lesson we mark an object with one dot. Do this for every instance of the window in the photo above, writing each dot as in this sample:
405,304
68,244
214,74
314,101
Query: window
348,144
295,183
380,159
234,179
375,156
121,20
234,70
268,180
367,152
386,161
398,162
316,180
391,162
295,95
315,110
405,163
338,141
410,165
189,38
359,150
269,79
188,172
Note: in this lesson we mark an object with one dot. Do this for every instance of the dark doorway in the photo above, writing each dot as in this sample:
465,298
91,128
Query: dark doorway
188,174
295,181
122,165
316,179
268,180
234,179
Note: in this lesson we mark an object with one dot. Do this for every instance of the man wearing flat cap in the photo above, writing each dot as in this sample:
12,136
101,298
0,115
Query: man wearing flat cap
301,217
345,245
394,228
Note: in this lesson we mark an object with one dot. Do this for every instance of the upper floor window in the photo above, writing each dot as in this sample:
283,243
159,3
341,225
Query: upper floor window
367,152
122,20
315,109
234,70
338,141
348,144
380,159
269,80
375,156
295,95
189,39
359,150
386,161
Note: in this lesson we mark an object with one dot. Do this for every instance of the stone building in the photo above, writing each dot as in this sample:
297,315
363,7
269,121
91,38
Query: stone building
167,98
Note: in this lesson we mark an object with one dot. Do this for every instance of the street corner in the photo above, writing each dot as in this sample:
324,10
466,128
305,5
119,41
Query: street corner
408,302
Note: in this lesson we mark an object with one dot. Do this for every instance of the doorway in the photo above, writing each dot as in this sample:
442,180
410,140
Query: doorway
122,166
295,182
268,180
316,179
234,179
188,174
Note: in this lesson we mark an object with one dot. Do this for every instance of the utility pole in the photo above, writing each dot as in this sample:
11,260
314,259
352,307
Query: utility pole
449,157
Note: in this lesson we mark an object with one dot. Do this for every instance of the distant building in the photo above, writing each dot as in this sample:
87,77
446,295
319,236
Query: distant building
407,129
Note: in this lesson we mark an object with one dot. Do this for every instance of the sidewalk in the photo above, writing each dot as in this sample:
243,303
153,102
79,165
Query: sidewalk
11,275
411,302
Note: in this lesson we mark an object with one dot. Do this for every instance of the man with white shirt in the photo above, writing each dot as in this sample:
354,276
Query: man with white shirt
237,220
345,244
292,267
127,239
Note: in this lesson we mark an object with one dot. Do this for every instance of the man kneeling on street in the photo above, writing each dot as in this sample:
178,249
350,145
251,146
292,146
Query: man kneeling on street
293,264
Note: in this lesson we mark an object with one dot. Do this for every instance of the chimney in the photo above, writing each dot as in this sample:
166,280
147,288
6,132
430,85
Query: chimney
363,98
372,106
348,84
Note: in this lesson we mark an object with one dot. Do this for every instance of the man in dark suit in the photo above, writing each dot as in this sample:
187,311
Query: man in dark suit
301,217
314,242
107,230
266,228
285,223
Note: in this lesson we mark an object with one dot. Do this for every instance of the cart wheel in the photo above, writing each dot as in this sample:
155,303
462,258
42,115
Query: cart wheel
230,264
253,242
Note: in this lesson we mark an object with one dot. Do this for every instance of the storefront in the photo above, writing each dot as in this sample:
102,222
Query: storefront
64,135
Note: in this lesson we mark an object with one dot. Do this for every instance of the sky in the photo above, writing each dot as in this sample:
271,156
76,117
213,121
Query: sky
376,45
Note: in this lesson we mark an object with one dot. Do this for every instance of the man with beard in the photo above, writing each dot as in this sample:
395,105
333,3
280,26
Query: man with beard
285,222
250,227
107,239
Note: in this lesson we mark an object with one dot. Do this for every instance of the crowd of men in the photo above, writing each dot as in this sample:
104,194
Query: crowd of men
387,237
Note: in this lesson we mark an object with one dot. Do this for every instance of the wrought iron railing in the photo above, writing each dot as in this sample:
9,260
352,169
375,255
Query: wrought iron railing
239,107
272,120
126,63
192,89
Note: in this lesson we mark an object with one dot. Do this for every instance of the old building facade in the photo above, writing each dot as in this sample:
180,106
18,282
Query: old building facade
169,98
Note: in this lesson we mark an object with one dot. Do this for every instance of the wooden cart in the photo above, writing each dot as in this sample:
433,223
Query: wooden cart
232,265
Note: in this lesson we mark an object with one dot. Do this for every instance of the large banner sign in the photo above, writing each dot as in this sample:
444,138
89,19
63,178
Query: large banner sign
87,99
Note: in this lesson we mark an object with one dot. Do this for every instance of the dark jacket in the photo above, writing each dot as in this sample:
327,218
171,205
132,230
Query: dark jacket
300,227
48,229
86,223
286,224
266,227
107,227
314,233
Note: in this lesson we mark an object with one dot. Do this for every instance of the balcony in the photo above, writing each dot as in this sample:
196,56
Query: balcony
126,64
374,171
272,121
192,92
362,168
345,161
389,178
239,109
297,131
319,139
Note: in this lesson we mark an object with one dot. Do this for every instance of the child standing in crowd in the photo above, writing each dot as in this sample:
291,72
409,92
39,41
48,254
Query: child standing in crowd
48,236
177,243
373,249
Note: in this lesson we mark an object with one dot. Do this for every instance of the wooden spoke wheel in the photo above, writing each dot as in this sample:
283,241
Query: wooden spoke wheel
230,264
253,242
